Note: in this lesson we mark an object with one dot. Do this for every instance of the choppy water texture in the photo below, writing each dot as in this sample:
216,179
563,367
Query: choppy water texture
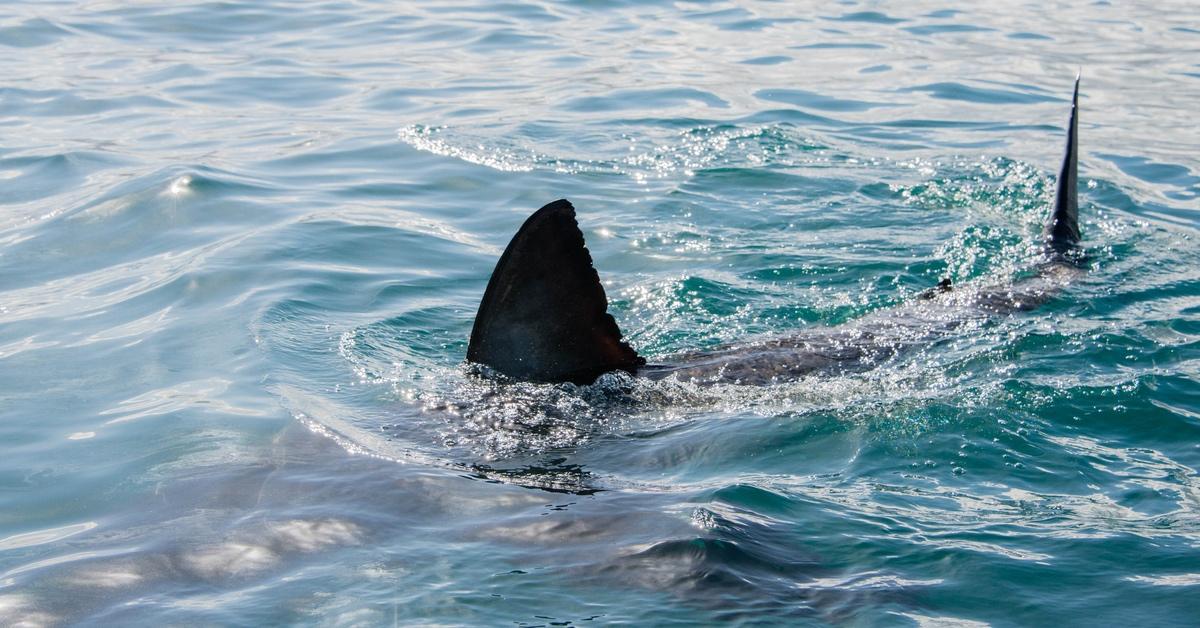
242,244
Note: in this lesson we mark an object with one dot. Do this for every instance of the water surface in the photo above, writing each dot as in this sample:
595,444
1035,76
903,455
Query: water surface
242,244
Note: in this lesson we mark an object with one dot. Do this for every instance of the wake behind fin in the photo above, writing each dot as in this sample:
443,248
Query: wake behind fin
544,316
1063,229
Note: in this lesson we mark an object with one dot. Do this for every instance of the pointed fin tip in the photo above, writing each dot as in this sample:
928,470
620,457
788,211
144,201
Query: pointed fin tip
1063,227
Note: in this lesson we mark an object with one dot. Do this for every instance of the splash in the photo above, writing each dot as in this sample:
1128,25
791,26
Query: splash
642,159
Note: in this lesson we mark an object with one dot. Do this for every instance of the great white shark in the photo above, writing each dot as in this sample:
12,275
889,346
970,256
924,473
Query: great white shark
544,315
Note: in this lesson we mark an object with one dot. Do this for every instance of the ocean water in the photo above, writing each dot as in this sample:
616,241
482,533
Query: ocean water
242,244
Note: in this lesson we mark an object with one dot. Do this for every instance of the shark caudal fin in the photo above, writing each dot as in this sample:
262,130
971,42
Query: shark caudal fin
1063,229
544,316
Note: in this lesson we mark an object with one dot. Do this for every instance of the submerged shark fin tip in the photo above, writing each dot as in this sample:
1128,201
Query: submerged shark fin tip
1063,228
544,315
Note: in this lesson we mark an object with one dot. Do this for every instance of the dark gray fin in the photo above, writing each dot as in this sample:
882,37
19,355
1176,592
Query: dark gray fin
1063,229
544,316
945,285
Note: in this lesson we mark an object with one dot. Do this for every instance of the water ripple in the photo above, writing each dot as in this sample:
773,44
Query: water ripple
242,244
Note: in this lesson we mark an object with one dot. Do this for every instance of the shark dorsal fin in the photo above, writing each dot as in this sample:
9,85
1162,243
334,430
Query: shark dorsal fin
1063,228
544,316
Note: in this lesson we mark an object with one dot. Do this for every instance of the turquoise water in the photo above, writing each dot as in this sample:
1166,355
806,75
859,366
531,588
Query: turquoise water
242,244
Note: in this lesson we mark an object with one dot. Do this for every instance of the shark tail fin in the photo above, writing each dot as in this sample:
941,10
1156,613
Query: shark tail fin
1063,229
544,316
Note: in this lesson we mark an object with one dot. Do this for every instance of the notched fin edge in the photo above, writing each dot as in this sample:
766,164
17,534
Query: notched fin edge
544,315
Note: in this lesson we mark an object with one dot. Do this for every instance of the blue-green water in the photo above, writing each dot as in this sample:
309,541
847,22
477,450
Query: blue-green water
242,243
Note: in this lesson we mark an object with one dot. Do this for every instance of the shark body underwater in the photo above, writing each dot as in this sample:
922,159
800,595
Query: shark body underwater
544,315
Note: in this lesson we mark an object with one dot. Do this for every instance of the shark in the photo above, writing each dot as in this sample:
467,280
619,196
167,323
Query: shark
544,314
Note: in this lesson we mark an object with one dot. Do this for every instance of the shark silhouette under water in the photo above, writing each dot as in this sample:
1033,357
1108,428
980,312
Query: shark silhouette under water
544,316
